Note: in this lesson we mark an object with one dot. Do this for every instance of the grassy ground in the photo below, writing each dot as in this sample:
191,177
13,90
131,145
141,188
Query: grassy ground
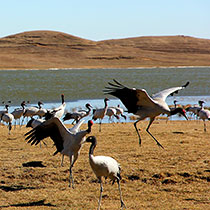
152,178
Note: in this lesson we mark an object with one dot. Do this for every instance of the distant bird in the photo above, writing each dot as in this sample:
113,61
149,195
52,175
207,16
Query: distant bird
172,108
112,112
100,113
4,110
120,111
194,110
30,112
59,111
78,115
138,102
65,141
104,166
8,118
18,112
41,112
204,114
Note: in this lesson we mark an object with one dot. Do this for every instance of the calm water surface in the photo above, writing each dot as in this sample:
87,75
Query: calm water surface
82,85
76,84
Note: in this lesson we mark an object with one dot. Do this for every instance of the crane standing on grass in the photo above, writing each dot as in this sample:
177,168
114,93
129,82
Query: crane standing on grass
204,114
100,113
104,166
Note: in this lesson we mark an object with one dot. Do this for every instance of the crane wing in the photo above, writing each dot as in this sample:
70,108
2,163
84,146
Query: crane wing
170,91
52,128
76,127
132,98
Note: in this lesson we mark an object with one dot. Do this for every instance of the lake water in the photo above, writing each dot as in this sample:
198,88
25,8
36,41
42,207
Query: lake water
86,85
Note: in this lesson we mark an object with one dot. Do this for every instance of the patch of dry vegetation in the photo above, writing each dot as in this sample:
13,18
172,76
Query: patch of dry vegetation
152,178
50,49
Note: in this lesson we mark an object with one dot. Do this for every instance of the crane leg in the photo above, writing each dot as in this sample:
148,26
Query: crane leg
101,190
135,125
204,126
71,180
100,126
73,159
62,160
121,200
150,123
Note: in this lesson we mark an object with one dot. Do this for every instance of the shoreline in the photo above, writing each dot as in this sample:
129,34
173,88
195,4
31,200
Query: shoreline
104,68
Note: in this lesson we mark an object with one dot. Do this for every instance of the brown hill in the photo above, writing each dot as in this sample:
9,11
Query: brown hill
49,49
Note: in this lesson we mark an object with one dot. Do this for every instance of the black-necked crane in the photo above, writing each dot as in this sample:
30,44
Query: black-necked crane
18,112
194,110
100,113
30,112
112,112
4,110
78,115
120,111
138,102
41,112
8,118
104,166
66,142
204,114
59,111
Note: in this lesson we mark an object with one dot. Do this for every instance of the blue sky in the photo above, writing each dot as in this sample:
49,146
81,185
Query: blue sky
107,19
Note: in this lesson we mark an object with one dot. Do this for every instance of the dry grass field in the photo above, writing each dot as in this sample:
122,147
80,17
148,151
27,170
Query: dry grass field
152,178
50,49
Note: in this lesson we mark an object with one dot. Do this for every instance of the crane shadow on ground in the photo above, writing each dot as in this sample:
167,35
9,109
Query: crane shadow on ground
34,203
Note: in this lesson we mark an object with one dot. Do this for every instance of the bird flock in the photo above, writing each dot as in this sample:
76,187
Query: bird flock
68,142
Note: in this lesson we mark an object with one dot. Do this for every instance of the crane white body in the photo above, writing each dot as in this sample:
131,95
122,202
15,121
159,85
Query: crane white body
8,118
30,112
104,166
18,112
41,112
204,114
59,111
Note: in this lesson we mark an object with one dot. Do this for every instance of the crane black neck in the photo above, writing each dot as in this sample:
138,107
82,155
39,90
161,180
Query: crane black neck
93,140
90,123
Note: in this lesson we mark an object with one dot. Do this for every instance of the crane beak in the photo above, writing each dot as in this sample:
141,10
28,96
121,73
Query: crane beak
185,116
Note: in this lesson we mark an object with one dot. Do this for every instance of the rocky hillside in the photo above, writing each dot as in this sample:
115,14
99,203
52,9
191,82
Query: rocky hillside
50,49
